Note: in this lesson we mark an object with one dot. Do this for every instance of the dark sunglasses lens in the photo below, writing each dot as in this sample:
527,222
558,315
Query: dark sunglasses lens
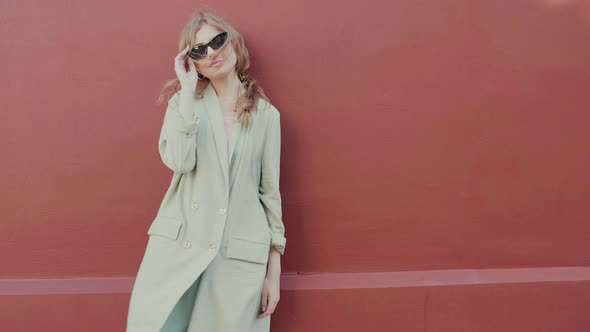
198,53
219,40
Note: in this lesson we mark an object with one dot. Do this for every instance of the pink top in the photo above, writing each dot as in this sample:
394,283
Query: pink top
229,123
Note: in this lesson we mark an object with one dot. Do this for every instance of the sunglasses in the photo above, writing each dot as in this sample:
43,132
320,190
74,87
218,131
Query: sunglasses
199,52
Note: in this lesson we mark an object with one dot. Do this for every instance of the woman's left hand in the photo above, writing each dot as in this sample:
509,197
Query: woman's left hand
270,294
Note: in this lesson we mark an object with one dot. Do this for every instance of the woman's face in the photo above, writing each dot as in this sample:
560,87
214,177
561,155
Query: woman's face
226,62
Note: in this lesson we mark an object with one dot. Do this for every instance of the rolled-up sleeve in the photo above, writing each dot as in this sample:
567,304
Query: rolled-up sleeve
177,143
269,192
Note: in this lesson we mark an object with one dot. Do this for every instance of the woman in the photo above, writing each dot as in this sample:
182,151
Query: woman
212,262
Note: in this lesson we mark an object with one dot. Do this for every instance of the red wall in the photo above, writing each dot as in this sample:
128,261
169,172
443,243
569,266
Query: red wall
417,136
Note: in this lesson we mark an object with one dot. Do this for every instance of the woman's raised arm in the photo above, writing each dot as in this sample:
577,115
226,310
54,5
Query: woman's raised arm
178,143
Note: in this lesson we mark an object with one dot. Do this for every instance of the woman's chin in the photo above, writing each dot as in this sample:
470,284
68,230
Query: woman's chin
219,74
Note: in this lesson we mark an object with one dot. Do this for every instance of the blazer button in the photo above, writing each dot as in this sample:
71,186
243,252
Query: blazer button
194,205
187,244
222,211
211,247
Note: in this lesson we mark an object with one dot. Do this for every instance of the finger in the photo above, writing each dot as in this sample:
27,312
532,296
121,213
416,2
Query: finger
262,315
264,301
192,67
182,54
184,50
272,305
178,64
180,59
270,308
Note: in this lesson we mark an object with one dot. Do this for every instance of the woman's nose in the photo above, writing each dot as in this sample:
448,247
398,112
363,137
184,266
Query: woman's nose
210,50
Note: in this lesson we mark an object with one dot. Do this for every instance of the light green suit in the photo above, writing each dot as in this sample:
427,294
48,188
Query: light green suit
223,203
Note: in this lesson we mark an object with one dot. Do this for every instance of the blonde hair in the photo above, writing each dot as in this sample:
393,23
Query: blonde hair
248,101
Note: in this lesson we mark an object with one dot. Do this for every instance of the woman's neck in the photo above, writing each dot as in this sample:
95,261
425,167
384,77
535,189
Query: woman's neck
227,88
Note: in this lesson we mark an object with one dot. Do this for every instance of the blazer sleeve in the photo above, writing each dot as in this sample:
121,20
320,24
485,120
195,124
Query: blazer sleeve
177,143
269,193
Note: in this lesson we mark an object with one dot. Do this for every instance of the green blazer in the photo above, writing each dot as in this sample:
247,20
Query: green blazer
221,200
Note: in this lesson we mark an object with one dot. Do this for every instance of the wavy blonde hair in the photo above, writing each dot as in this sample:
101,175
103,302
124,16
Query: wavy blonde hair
248,101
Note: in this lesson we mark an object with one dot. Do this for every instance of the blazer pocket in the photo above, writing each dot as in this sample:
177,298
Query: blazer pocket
247,250
166,227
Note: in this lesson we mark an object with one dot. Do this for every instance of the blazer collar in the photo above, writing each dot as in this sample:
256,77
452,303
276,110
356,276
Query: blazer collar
215,115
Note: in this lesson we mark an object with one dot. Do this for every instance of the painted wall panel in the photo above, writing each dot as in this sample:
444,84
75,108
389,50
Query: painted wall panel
417,136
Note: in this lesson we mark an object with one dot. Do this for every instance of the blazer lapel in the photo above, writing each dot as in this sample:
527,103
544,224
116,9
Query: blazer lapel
236,148
236,131
216,119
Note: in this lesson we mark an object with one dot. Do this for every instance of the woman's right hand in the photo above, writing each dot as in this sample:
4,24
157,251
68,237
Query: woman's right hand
188,79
